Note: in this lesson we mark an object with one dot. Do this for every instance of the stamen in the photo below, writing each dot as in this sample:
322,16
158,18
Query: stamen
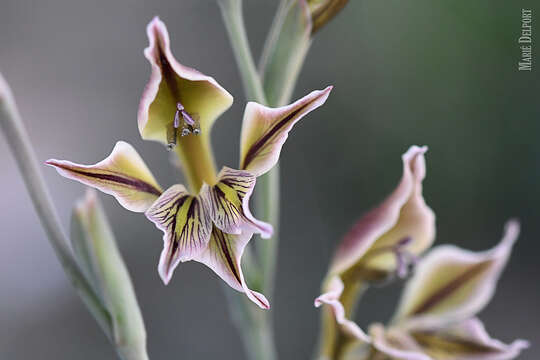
172,134
404,259
187,118
176,122
189,123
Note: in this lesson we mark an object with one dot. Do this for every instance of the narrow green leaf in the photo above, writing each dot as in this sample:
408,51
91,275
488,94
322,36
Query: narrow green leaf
96,251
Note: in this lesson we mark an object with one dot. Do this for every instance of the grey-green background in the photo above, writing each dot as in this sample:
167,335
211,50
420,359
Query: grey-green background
440,73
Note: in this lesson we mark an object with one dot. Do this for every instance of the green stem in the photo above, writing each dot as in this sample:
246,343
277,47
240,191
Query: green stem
20,144
267,209
255,326
233,17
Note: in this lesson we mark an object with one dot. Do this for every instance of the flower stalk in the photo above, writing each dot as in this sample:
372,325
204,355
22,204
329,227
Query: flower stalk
275,90
20,144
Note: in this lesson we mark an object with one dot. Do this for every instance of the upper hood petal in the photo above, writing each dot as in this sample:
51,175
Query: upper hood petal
404,214
171,83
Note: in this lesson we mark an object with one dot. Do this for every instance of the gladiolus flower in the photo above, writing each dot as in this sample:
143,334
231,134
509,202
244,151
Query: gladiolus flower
211,222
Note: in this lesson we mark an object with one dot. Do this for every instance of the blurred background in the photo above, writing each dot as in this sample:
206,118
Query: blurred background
440,73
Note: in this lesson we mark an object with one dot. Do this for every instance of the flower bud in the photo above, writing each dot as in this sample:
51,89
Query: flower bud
322,11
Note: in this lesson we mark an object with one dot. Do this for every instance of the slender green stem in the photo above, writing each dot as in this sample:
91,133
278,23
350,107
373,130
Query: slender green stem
233,18
19,142
267,209
273,35
254,326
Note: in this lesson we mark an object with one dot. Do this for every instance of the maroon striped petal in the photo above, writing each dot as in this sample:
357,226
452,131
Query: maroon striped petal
122,174
185,224
227,202
452,284
223,255
264,130
176,91
466,340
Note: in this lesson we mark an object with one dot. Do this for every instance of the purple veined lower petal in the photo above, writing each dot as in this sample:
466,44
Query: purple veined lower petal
331,298
122,174
224,255
466,340
186,228
227,202
174,87
265,130
452,284
396,344
375,239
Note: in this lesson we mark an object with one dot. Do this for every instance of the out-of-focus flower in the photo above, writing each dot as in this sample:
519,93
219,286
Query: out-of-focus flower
210,223
436,319
384,241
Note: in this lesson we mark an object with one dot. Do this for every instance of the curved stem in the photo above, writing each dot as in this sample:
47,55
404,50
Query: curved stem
231,10
19,142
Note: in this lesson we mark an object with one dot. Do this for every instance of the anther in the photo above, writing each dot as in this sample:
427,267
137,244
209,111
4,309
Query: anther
187,118
188,123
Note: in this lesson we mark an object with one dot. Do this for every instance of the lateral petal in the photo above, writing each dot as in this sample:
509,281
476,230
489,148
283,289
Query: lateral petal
467,340
223,255
264,130
403,215
452,284
185,224
227,202
331,298
172,83
123,174
396,344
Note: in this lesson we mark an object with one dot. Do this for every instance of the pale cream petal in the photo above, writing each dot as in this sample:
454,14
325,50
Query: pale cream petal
452,284
186,227
396,345
331,298
467,340
171,83
224,256
264,130
227,202
122,174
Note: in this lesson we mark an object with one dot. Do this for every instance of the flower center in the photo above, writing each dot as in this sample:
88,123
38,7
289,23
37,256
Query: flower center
405,259
183,123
